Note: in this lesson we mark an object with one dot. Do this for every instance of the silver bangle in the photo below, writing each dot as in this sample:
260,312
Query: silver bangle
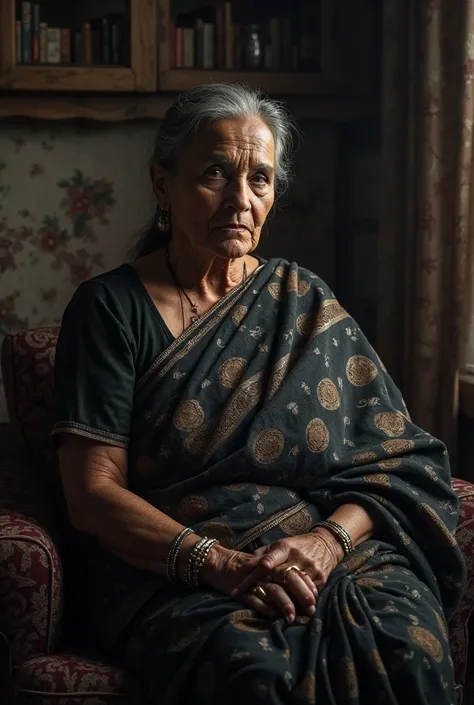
197,559
339,532
172,558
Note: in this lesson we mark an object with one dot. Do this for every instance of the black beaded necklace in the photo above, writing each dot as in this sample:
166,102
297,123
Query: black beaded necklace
181,291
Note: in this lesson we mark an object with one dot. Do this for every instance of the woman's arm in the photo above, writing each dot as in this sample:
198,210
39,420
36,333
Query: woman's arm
94,477
355,520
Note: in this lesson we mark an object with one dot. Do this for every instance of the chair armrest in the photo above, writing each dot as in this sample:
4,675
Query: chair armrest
31,587
458,628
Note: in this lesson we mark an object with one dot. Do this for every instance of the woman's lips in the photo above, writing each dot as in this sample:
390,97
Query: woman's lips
233,226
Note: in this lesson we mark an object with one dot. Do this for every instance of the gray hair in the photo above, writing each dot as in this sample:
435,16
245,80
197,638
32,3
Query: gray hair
204,105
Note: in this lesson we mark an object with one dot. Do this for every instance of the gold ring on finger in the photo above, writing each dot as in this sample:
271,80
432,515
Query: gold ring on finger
287,571
258,591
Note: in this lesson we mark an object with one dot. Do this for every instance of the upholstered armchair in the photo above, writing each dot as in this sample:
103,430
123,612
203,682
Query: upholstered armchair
42,661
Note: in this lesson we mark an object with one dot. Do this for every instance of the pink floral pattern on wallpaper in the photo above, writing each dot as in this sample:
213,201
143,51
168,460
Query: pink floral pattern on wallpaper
58,220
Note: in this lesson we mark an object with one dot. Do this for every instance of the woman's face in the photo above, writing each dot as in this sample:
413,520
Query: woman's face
223,188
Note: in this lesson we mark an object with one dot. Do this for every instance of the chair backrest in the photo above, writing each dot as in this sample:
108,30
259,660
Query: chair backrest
27,362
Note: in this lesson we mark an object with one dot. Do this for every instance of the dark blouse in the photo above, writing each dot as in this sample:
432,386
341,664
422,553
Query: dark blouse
110,334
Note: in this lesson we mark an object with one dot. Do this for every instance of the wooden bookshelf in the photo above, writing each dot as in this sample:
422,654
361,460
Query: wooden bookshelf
143,85
326,81
139,75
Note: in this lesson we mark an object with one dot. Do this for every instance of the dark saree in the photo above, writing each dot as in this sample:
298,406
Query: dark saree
263,417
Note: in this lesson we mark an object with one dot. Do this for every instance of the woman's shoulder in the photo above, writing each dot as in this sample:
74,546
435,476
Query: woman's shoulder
115,289
293,270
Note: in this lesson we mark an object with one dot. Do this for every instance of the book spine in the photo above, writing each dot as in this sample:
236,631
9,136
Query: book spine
65,45
220,36
178,56
208,46
35,35
105,26
238,46
86,44
77,47
188,48
268,57
54,45
26,32
275,43
228,36
18,32
116,42
43,43
96,47
199,43
287,43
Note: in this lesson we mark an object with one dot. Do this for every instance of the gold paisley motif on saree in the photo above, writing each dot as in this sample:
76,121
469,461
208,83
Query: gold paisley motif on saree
360,370
328,394
330,313
424,638
392,423
188,416
390,463
364,457
317,436
231,371
398,445
192,509
217,530
268,446
297,524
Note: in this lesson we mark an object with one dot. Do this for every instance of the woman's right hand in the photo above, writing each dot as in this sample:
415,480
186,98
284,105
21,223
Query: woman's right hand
224,569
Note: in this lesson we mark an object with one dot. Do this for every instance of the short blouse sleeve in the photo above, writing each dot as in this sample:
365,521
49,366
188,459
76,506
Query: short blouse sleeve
95,368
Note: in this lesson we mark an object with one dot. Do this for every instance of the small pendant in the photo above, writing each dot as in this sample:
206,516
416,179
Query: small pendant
194,318
194,308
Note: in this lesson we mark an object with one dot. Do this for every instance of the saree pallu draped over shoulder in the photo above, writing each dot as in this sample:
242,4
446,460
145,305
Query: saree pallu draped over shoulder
264,416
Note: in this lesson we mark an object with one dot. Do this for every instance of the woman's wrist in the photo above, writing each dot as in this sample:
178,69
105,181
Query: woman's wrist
213,563
184,555
331,542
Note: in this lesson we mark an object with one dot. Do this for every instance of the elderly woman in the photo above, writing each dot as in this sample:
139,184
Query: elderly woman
266,523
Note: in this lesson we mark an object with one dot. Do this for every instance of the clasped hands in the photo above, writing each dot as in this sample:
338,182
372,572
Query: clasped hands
279,580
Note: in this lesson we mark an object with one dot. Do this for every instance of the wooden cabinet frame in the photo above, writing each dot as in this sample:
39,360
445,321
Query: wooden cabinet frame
140,76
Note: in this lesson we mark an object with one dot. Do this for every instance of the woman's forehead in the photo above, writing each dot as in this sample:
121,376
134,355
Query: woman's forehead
228,137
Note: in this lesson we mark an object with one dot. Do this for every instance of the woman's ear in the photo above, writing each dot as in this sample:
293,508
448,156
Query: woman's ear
158,180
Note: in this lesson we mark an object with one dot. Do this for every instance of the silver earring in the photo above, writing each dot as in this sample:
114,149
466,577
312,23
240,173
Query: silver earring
163,221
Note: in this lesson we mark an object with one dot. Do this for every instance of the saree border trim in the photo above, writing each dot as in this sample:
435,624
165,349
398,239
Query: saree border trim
267,525
94,434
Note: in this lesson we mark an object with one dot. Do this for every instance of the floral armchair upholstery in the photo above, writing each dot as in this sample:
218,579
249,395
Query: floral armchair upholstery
40,662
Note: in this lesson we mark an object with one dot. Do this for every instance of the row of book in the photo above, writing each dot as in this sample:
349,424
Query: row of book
99,42
210,39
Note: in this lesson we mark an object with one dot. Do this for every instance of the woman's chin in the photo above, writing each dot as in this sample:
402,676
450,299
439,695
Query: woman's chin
232,247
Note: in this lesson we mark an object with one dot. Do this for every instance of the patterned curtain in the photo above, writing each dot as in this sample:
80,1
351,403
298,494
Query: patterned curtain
426,232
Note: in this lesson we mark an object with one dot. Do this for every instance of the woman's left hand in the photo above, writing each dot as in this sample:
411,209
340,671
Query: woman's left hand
315,554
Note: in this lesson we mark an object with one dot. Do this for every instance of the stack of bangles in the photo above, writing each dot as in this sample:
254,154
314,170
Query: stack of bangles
196,560
201,550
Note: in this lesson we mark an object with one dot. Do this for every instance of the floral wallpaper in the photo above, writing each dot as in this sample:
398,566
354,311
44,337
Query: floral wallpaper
73,195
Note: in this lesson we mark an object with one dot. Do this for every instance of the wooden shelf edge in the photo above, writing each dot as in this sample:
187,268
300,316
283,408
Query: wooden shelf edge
69,78
132,106
103,108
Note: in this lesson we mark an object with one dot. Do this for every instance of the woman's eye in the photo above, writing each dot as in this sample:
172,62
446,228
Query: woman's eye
260,179
215,172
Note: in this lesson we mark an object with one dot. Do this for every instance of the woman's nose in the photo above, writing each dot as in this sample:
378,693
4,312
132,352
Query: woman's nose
238,195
